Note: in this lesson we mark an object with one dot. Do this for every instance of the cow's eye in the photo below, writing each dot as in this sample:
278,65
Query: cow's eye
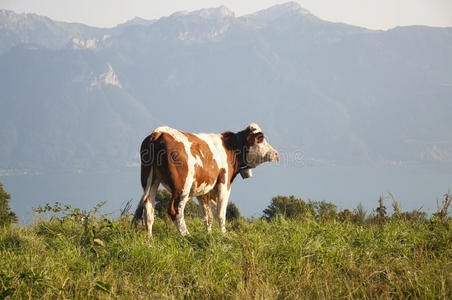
260,138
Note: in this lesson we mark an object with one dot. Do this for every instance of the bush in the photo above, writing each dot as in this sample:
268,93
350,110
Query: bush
326,210
359,214
232,212
292,207
6,215
443,209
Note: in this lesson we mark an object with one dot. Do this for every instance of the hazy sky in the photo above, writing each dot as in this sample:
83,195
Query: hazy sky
375,14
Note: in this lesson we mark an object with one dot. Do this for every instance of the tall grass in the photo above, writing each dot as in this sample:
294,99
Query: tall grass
81,256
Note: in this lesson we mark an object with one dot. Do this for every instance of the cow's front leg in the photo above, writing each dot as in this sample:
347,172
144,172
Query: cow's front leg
207,212
222,204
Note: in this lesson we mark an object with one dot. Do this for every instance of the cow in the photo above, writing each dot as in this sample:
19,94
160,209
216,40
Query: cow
198,165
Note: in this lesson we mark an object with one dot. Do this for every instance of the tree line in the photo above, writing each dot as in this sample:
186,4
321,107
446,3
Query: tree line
285,206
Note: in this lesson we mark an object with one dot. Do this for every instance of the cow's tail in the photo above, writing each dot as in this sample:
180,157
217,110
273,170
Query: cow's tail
146,177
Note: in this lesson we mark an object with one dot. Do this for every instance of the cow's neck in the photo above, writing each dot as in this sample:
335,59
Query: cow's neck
239,154
235,146
240,151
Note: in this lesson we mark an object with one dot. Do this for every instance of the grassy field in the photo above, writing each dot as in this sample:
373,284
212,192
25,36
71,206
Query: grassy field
79,257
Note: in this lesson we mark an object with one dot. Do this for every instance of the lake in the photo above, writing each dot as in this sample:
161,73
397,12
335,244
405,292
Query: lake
414,186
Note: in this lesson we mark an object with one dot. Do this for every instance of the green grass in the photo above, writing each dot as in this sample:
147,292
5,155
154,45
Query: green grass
295,259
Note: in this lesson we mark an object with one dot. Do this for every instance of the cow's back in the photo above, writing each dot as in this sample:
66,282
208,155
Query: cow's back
193,163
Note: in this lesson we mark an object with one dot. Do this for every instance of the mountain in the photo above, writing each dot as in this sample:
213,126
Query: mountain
78,116
17,29
78,97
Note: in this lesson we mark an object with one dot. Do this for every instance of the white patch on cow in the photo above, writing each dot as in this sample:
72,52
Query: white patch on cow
198,161
202,189
215,144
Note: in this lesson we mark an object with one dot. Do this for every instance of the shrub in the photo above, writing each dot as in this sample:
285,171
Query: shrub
292,207
346,215
6,215
285,206
326,210
359,214
443,209
232,212
94,223
381,209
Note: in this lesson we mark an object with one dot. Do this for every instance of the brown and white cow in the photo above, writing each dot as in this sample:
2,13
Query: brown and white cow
197,165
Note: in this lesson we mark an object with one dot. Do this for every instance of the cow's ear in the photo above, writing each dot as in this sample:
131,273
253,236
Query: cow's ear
250,139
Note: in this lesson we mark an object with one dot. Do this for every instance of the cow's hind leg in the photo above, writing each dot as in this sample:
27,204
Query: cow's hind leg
149,207
141,205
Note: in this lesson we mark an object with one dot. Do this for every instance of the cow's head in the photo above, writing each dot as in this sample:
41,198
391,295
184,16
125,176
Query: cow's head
259,151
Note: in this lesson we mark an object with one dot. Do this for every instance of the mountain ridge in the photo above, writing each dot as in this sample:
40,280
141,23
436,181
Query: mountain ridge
336,93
